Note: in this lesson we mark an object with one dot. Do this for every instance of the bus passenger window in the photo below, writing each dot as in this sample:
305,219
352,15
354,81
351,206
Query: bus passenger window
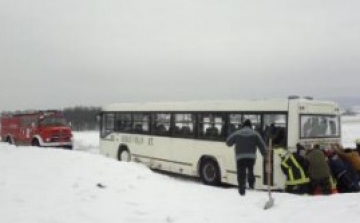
119,125
275,128
108,124
161,130
141,123
183,125
212,131
235,123
186,131
161,124
138,128
211,126
226,132
332,127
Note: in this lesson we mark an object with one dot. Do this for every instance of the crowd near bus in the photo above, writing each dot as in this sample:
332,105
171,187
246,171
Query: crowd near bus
316,170
190,138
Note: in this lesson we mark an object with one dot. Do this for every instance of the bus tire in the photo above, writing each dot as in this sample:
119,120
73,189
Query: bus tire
124,154
210,172
35,142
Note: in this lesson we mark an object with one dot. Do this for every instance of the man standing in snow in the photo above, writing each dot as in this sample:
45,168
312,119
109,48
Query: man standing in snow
246,142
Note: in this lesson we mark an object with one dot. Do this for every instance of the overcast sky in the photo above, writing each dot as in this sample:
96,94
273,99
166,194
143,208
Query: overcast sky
56,54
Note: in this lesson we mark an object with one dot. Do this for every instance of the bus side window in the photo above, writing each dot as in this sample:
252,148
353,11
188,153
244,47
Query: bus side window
119,125
275,126
138,128
332,127
184,125
175,130
212,131
226,131
161,130
258,129
186,131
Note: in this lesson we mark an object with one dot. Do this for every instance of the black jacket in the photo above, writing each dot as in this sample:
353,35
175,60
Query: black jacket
294,166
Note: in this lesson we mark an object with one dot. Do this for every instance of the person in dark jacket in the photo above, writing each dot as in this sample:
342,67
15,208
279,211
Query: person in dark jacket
347,179
319,170
246,141
300,150
295,167
348,155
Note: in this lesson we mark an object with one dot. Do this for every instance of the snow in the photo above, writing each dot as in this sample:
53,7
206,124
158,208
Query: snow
40,185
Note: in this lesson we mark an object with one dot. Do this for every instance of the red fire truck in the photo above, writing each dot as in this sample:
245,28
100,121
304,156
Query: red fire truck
36,128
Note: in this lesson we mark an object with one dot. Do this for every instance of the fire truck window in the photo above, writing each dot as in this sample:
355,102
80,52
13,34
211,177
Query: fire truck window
28,122
53,121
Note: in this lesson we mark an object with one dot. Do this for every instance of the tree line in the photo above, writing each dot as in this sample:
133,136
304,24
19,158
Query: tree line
82,118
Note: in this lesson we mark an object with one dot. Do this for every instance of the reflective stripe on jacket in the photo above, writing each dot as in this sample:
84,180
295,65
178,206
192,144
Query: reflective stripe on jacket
294,171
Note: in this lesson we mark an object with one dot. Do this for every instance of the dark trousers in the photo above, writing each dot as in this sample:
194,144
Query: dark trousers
323,184
298,189
245,165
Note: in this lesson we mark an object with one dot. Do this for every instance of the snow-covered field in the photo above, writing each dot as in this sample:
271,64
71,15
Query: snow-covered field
61,186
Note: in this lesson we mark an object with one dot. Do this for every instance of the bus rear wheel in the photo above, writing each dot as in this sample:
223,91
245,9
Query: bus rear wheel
210,172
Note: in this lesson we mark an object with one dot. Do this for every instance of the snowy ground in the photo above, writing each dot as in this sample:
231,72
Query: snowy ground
62,186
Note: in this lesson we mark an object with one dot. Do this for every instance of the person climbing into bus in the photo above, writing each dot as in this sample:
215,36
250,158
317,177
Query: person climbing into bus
319,170
295,168
246,141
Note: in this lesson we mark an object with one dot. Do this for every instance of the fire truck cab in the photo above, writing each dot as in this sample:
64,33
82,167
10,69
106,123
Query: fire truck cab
36,128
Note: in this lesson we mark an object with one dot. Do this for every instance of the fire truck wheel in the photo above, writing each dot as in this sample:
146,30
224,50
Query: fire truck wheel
9,140
35,142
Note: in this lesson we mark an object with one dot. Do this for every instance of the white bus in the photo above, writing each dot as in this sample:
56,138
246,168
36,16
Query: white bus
189,137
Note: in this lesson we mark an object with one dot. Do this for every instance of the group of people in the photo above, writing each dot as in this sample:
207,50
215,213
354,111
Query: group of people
321,170
313,170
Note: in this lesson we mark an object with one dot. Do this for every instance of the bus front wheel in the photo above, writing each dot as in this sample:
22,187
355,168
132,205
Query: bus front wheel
210,172
124,155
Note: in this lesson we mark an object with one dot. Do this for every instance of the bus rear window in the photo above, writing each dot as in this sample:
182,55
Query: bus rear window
319,126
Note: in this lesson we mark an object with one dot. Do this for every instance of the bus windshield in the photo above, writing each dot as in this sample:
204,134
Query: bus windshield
319,126
53,121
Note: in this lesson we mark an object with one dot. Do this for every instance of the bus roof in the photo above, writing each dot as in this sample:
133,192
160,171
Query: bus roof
224,105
